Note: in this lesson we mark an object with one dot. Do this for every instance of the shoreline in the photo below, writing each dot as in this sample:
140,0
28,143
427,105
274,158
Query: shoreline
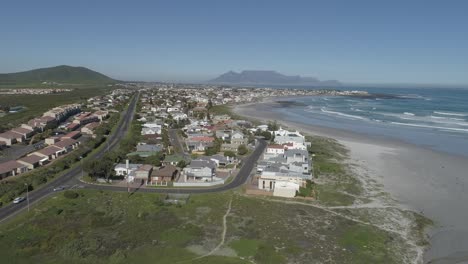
410,174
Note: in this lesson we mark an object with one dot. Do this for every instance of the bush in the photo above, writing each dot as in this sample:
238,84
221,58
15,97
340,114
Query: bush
70,194
242,150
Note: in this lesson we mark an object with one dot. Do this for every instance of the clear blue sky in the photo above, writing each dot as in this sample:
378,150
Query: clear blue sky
352,41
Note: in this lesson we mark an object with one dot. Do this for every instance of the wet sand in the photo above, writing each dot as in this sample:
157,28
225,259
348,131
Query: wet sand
426,181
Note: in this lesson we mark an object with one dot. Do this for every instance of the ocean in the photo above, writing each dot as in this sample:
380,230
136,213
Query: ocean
436,118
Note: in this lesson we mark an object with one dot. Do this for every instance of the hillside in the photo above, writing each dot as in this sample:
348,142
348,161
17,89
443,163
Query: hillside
58,74
269,77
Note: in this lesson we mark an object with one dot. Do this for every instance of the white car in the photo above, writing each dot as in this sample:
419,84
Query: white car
59,188
18,200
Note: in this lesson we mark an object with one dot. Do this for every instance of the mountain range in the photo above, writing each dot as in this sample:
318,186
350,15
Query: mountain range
269,78
58,74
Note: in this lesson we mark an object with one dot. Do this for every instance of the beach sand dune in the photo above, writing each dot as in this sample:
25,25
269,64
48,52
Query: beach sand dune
432,183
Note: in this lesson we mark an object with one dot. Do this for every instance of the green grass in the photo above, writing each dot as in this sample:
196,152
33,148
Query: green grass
339,186
36,105
111,227
245,247
364,244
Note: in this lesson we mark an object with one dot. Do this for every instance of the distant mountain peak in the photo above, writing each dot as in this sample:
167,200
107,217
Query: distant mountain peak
59,74
269,77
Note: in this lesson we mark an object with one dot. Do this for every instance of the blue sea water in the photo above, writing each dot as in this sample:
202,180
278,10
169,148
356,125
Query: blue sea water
434,118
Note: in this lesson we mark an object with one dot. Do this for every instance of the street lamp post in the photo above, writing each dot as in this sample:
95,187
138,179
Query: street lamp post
81,164
27,194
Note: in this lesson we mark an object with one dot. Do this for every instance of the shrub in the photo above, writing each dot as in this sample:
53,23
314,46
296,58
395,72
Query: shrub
70,194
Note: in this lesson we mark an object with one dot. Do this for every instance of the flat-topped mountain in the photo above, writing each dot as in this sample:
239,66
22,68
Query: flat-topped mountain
269,77
58,74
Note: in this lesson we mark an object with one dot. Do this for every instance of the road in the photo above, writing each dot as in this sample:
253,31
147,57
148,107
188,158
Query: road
174,139
71,178
241,178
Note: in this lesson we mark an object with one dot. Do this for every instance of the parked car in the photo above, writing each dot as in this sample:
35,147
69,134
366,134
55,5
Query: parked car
18,200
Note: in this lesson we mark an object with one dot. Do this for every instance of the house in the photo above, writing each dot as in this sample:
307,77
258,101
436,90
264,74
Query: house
220,118
179,116
85,118
143,173
72,126
67,145
72,135
275,149
52,140
101,115
164,175
199,143
151,128
24,132
89,128
294,138
50,152
10,138
42,123
123,169
200,170
12,168
262,128
33,161
220,160
237,138
225,135
146,150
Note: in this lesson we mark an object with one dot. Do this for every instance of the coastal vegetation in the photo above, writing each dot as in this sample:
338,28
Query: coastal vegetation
36,104
15,186
110,227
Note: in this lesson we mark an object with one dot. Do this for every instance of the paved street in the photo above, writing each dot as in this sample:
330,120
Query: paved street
71,178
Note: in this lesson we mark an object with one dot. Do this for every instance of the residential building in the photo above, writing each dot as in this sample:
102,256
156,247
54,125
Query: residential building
12,168
164,175
200,170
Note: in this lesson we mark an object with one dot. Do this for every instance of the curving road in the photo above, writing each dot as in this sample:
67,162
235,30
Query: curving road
71,178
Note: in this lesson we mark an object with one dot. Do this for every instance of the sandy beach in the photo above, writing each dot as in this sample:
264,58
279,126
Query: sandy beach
429,182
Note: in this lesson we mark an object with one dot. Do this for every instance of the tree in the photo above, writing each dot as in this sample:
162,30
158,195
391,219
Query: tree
229,153
266,135
242,150
155,159
99,168
209,105
272,126
182,164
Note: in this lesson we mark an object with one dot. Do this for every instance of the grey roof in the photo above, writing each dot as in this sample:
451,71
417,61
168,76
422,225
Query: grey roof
292,152
149,147
130,166
202,163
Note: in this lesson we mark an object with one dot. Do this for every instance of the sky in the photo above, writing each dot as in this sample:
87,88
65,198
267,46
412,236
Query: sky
411,41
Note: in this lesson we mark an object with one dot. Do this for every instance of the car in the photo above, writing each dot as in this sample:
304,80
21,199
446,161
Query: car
59,188
18,200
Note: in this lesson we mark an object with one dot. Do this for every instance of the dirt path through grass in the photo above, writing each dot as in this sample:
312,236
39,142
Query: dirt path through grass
403,234
223,234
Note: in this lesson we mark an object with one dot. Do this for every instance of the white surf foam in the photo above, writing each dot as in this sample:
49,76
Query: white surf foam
343,114
450,113
433,127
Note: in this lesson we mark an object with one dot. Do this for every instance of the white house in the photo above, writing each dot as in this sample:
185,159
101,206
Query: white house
151,128
275,149
200,170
